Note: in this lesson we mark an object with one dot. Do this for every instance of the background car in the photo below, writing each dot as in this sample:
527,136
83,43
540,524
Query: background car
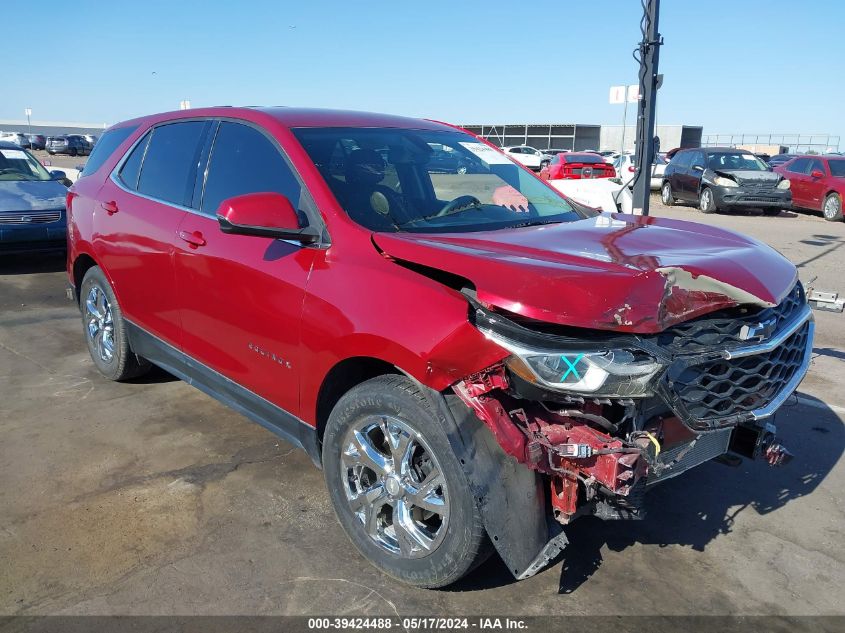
575,166
817,183
626,168
15,137
37,141
549,154
72,144
609,156
724,178
528,156
780,159
32,203
445,162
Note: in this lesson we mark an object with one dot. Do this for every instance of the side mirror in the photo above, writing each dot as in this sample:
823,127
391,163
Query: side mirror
697,168
58,175
263,215
816,173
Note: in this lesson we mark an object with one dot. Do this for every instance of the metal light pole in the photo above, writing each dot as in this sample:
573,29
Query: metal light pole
649,53
28,113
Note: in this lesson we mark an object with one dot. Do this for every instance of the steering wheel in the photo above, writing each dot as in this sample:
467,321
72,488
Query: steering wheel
458,204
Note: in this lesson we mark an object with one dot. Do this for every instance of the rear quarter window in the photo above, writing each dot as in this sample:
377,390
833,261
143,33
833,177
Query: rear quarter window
107,145
167,172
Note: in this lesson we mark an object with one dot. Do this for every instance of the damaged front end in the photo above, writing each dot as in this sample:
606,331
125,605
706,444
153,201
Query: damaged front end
600,417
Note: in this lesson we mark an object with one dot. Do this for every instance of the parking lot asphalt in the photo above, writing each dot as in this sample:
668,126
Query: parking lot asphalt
149,497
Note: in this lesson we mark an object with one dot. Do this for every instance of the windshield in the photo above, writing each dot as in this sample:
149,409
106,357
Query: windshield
747,162
837,167
390,179
582,158
18,164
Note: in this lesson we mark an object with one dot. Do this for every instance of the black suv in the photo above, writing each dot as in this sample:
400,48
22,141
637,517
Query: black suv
724,178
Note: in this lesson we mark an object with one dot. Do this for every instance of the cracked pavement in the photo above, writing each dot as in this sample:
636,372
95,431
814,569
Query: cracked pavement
149,497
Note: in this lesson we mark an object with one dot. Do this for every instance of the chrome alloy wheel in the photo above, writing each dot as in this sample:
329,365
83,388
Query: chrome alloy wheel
706,200
395,486
831,207
99,323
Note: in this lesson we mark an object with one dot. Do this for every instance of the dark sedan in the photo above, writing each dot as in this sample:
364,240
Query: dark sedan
780,159
32,204
719,179
37,141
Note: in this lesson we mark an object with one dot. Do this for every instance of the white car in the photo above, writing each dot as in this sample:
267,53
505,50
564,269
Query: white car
15,137
626,169
526,155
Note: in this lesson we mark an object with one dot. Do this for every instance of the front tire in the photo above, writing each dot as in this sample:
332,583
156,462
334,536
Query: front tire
397,487
105,329
706,201
832,208
666,196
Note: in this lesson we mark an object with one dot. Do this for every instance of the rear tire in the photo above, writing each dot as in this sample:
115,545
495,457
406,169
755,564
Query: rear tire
706,201
666,196
832,208
72,151
397,487
105,329
771,212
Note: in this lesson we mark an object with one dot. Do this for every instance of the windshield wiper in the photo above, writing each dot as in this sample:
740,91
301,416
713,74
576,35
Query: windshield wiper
534,223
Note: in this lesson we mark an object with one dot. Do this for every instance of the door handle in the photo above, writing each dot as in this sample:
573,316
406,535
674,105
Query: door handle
194,239
110,207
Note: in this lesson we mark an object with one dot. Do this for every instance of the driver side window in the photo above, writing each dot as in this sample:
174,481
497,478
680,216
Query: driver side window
244,160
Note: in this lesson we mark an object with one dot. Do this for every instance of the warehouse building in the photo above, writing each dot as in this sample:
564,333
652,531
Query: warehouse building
581,137
51,128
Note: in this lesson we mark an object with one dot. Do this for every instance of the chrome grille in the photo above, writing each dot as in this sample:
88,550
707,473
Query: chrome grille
709,392
31,217
723,329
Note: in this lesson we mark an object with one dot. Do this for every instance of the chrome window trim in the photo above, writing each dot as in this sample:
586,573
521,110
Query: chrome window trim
114,176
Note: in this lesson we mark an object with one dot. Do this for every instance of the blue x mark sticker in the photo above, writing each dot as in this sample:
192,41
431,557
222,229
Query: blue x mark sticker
571,366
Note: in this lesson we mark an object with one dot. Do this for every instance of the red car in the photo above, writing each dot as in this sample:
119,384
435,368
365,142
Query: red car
817,183
466,355
577,165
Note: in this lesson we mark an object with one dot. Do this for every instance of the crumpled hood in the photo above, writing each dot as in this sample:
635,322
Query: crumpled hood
31,195
614,272
751,176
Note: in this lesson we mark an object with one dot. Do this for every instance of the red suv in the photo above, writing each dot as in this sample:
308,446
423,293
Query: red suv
464,354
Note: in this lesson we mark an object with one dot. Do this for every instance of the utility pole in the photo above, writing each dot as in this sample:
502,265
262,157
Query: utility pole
28,113
649,53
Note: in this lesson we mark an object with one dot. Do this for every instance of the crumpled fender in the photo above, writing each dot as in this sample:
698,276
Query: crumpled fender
510,497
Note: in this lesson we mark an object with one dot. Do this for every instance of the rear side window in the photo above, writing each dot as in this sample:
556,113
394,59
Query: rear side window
799,166
682,160
168,168
132,166
245,161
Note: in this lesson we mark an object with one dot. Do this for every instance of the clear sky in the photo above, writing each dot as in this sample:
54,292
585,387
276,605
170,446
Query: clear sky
750,66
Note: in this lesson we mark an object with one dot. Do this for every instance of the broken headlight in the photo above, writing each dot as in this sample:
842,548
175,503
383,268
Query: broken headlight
725,182
613,372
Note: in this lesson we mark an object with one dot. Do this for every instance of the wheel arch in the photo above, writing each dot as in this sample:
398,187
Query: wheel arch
81,265
342,377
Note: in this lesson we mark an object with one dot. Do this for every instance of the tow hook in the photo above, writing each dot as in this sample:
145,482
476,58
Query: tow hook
775,453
